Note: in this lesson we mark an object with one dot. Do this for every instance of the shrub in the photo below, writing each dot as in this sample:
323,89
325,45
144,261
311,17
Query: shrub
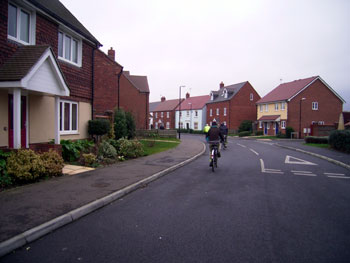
106,150
71,149
340,140
98,127
130,149
120,126
317,140
89,159
245,125
289,130
244,133
281,135
25,165
52,163
259,133
5,178
130,125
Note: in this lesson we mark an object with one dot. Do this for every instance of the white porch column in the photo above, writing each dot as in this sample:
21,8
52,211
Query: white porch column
57,120
16,118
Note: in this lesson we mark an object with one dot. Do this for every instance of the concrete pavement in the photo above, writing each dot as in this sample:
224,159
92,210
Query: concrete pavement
31,211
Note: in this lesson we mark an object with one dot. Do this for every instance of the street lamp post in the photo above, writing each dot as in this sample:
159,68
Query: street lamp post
300,117
180,109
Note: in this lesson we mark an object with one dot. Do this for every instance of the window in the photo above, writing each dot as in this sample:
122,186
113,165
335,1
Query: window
283,105
156,125
251,96
20,25
156,114
168,125
276,106
217,111
195,124
161,115
211,112
211,96
225,93
187,113
315,106
196,113
224,111
266,107
180,113
268,125
69,48
321,123
283,124
167,114
261,107
260,124
68,117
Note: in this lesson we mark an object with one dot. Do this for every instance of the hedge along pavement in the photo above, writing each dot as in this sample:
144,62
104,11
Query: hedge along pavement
43,229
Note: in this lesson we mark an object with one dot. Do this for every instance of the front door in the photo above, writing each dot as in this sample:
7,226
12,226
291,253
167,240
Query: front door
265,128
276,127
23,121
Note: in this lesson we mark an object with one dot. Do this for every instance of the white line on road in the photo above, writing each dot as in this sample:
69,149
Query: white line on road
254,151
334,174
341,177
272,171
308,174
304,172
242,145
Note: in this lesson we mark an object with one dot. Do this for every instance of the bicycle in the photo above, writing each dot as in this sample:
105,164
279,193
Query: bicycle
224,142
214,156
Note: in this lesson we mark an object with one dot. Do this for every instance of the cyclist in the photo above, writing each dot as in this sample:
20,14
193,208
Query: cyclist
224,132
214,136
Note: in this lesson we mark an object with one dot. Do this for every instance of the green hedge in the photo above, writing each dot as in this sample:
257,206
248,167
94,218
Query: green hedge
98,127
244,133
317,140
340,140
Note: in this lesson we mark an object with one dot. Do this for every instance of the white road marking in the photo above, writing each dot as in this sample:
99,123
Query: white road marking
307,174
341,177
304,172
289,159
242,145
334,174
254,151
272,171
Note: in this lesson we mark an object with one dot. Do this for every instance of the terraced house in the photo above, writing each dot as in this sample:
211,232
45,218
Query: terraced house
46,80
303,104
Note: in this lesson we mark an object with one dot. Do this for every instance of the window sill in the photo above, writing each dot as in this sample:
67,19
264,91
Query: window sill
69,133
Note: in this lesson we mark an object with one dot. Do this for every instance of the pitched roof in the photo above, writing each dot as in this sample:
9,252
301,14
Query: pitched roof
58,11
269,118
153,106
232,90
140,82
19,65
168,105
194,103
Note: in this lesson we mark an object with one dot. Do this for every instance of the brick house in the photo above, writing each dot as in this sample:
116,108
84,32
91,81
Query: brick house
46,80
232,104
192,112
152,107
164,113
299,104
134,97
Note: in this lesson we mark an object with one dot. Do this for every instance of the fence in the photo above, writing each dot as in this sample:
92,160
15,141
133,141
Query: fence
160,133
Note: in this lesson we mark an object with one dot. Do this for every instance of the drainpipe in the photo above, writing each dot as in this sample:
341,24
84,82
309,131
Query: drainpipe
93,83
119,75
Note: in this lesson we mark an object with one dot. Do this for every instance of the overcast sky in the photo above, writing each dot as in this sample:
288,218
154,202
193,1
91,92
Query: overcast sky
199,43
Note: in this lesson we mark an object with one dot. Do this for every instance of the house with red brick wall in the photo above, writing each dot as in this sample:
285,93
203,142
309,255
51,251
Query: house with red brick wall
232,104
134,98
164,113
46,80
299,104
192,112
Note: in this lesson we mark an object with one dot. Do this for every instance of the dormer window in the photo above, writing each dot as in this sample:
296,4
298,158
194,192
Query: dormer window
69,48
21,25
225,93
211,96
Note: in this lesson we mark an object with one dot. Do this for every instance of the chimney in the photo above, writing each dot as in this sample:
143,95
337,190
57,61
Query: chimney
187,95
111,54
222,85
162,99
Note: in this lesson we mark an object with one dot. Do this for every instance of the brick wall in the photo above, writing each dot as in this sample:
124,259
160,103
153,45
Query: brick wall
329,107
134,101
221,117
164,119
105,83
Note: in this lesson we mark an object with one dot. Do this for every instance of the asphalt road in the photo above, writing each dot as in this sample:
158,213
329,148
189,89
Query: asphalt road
263,204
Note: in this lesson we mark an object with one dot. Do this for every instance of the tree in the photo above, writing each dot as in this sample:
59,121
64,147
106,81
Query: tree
245,126
130,125
120,126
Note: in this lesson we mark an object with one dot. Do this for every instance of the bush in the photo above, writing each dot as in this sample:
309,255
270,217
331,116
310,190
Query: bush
340,140
259,133
98,127
289,130
5,178
25,165
106,150
52,163
281,135
130,149
120,126
245,125
130,125
89,159
317,140
71,149
244,133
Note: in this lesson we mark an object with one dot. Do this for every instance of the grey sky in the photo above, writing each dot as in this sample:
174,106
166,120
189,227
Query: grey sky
199,43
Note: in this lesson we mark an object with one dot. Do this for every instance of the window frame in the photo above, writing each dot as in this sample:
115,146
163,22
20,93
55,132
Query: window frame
266,107
63,117
167,114
210,112
79,48
276,106
314,105
225,111
161,114
251,96
283,105
217,111
283,124
31,26
261,107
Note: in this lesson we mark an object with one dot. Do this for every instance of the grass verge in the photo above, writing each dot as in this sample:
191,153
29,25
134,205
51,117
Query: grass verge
158,146
319,145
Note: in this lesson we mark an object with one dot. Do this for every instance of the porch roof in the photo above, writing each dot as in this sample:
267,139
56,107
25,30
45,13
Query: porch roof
270,118
34,68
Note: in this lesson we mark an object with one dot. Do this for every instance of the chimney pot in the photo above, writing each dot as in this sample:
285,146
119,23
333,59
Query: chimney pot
222,85
111,53
163,99
187,95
